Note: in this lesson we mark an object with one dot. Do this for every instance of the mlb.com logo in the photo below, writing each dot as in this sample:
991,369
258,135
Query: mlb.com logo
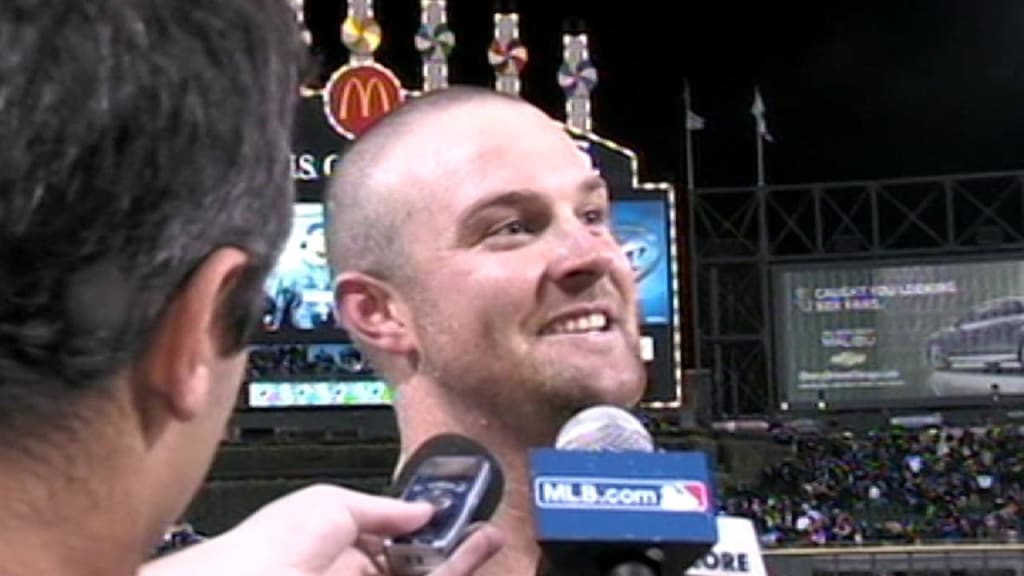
621,494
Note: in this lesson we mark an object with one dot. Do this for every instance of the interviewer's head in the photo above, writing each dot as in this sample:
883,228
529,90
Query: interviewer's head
144,194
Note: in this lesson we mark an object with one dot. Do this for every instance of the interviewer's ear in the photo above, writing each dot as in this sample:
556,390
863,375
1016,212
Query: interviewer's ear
374,313
188,343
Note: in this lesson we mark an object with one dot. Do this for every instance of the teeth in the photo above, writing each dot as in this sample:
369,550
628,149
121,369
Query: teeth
593,322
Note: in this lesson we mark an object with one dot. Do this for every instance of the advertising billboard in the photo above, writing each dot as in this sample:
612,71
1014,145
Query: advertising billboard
872,333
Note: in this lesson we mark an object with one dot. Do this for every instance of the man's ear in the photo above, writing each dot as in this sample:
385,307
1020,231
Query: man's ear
178,365
374,313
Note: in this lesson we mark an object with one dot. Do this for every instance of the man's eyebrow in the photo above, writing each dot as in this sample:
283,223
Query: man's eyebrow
594,183
509,198
590,186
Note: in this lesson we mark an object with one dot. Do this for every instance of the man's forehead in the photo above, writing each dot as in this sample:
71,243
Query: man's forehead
461,143
472,128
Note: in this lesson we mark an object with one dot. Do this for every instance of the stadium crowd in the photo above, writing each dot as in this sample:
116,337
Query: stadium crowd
305,361
892,485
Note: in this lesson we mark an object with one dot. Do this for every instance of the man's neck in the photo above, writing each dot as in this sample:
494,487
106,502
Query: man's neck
423,418
514,519
55,527
520,553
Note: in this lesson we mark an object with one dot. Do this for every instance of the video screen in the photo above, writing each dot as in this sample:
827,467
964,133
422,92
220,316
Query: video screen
641,227
292,375
369,392
869,334
298,290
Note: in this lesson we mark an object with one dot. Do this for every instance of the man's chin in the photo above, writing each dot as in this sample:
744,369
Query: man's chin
624,388
619,395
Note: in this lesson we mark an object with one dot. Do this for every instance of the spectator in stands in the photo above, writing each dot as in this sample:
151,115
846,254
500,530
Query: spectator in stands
144,195
180,535
479,275
939,484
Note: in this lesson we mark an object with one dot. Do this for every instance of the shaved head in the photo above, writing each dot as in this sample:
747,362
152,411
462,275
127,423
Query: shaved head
369,198
477,269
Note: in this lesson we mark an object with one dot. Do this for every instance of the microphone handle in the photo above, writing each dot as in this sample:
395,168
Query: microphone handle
630,569
627,568
633,569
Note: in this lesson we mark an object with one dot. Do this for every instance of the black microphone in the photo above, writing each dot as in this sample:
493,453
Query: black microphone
607,504
463,481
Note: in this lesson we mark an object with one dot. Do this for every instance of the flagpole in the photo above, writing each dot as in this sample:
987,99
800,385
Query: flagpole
760,154
690,124
689,139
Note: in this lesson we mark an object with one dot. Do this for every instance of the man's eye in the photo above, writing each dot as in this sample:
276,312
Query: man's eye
595,216
509,228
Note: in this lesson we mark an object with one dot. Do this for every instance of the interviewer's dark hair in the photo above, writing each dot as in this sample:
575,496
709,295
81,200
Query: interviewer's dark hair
136,137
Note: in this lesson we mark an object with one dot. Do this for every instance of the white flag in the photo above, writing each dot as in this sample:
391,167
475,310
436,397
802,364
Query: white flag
693,121
757,109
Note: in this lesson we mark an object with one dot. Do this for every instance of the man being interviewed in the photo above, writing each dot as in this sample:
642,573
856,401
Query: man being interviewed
478,273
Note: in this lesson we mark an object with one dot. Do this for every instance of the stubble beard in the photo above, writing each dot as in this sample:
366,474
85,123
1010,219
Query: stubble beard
529,399
530,404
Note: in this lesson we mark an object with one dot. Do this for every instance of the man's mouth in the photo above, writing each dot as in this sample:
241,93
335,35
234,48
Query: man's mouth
578,324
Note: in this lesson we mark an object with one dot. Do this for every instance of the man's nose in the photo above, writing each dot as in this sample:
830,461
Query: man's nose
583,255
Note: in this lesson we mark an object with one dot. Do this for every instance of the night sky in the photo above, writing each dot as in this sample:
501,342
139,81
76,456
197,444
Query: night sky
853,90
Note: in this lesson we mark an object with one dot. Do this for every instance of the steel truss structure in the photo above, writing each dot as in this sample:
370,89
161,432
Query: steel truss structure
737,236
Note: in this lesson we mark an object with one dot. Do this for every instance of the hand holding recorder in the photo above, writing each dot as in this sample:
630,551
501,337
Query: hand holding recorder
322,530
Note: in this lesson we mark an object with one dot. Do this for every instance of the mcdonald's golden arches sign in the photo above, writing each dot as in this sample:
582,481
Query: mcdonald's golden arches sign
356,96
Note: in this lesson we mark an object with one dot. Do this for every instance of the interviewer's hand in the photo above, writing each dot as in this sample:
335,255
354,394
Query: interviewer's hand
322,530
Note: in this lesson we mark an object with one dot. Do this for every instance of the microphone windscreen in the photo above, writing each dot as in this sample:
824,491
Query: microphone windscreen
604,428
457,445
